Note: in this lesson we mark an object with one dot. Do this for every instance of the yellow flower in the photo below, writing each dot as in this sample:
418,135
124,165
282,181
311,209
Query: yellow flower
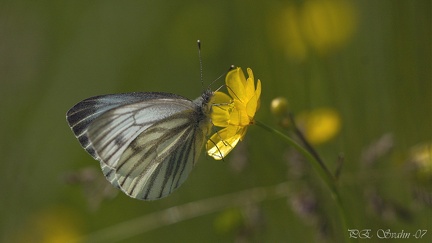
319,125
234,112
321,26
56,224
421,158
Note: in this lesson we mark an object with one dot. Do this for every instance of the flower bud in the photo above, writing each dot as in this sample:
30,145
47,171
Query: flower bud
279,106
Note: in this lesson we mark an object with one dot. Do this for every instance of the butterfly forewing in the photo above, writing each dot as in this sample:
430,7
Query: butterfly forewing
112,132
85,112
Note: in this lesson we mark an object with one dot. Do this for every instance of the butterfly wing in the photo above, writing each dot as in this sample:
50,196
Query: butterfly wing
106,126
160,159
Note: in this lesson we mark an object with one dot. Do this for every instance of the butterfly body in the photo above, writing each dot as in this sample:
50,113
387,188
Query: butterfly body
147,143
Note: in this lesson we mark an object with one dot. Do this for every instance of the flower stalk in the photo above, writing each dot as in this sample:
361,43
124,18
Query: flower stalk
312,156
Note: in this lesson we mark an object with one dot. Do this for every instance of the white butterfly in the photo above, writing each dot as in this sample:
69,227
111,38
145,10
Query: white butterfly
147,143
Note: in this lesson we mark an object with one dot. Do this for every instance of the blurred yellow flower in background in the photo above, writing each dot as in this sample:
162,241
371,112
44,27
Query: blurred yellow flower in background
286,33
234,112
319,125
320,25
53,225
421,158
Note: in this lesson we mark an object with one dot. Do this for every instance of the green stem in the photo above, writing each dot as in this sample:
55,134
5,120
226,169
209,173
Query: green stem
309,147
319,166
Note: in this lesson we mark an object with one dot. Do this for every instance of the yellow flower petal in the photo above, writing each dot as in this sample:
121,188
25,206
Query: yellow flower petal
250,85
236,82
220,98
252,107
221,105
220,116
239,116
222,142
254,103
258,89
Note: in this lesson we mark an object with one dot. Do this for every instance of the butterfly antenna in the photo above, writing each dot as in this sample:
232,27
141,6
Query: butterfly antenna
200,62
223,74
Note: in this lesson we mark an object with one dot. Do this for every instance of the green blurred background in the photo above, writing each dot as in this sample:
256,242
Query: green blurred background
368,61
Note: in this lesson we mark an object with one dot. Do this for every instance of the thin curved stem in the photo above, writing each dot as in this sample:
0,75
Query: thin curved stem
317,164
140,225
308,146
311,155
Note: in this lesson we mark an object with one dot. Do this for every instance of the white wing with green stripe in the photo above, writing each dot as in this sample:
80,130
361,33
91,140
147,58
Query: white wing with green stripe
147,143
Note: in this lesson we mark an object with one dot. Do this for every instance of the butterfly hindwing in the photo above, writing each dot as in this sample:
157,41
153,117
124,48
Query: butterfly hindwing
109,174
160,159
